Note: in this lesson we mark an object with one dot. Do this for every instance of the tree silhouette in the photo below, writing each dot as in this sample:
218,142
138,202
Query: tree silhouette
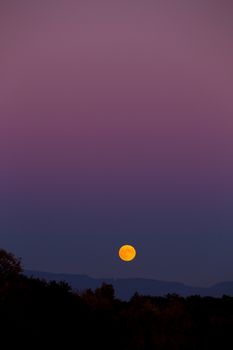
38,312
10,265
106,291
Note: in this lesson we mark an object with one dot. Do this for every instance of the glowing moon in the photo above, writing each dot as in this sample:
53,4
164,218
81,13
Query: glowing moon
127,253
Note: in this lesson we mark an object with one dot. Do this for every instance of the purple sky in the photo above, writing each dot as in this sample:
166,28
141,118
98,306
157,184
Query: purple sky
116,126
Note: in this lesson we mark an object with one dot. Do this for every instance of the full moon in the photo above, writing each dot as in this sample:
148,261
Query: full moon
127,253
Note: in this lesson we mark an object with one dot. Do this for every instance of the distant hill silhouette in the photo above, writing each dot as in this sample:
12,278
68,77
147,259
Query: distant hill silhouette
125,288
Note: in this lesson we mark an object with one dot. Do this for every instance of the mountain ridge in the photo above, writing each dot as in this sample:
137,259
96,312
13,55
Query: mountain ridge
126,287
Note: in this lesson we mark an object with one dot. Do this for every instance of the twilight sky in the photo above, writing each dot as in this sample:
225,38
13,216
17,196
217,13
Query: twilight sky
116,126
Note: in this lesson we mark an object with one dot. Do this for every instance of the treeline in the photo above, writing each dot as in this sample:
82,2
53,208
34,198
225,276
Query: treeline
37,314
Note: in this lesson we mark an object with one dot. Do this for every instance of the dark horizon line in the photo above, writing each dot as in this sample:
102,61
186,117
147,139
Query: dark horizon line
28,271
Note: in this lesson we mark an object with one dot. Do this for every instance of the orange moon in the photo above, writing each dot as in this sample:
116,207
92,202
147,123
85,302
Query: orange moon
127,253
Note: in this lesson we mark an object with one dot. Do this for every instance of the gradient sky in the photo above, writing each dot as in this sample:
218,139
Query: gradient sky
116,126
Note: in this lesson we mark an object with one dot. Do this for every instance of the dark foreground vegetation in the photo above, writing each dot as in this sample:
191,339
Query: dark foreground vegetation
38,315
